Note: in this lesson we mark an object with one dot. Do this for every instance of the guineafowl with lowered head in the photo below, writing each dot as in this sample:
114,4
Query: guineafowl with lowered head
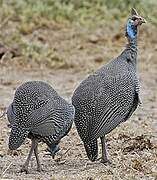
109,96
39,113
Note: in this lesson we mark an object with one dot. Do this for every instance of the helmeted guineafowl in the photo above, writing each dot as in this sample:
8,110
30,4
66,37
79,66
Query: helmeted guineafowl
52,148
109,96
39,113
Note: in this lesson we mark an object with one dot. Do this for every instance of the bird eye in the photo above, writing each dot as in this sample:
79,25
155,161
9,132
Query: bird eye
134,18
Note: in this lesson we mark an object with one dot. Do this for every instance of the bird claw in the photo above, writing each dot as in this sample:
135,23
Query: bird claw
105,161
24,169
39,169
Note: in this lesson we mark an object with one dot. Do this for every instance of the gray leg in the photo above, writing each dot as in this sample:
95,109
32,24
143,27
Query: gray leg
104,158
37,157
26,164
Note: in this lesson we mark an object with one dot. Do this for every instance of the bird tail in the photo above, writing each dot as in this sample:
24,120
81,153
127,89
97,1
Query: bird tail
92,149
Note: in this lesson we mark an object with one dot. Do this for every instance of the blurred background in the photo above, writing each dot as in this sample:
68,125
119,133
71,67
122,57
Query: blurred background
36,30
62,42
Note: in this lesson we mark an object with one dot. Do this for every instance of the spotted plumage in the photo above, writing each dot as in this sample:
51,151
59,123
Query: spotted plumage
108,97
39,113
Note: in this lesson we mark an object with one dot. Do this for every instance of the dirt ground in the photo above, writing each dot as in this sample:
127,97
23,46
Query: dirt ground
132,146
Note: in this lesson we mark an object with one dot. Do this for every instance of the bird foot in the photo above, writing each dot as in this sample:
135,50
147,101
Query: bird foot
105,161
24,169
39,169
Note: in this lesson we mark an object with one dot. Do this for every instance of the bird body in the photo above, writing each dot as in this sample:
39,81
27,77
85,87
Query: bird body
107,98
39,113
109,88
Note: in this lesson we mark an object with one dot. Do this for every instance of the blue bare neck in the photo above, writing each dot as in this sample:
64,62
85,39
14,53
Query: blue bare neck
131,34
130,52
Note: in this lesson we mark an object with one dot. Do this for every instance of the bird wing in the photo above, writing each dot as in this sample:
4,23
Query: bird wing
102,103
50,121
117,105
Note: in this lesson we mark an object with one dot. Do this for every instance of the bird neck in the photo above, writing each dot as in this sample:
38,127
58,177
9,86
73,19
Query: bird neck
132,49
130,52
132,43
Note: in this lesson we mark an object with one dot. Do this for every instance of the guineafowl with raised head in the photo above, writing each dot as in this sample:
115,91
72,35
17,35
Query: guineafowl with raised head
39,113
109,96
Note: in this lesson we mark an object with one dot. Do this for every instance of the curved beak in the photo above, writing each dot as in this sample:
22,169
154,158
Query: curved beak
143,20
140,21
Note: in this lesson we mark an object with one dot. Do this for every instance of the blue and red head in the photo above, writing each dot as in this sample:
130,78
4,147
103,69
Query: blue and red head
133,22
